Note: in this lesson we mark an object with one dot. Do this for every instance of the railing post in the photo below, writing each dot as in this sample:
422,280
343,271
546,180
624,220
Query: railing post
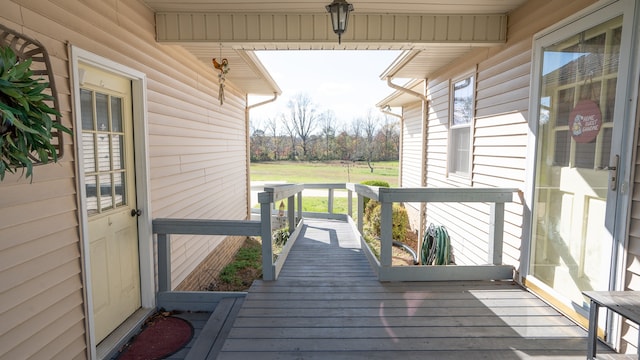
330,202
349,202
291,213
360,213
267,247
496,231
164,262
299,206
386,241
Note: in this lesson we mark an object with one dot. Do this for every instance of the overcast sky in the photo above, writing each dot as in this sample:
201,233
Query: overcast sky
347,82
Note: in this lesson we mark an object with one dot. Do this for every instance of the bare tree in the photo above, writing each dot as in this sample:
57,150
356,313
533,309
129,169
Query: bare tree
272,126
302,118
291,132
356,132
388,130
327,123
370,125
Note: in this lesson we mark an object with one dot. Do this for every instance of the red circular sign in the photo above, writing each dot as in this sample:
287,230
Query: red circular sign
585,121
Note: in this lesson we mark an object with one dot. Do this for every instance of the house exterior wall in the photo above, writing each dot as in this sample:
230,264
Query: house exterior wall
412,156
196,155
499,145
499,131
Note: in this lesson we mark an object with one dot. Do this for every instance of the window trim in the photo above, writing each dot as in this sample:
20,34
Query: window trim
465,176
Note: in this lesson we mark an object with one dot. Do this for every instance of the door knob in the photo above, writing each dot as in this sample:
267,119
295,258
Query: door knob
136,212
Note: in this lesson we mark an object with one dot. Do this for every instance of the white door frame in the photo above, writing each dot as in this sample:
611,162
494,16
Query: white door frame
629,71
145,231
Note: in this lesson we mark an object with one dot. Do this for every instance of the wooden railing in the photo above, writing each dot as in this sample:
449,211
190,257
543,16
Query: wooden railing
493,270
331,189
267,198
164,228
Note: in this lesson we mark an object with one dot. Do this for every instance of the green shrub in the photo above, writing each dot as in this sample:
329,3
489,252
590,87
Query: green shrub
369,208
379,183
399,220
281,236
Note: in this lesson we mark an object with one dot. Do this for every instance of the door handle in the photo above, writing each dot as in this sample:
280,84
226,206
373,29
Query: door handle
613,182
136,212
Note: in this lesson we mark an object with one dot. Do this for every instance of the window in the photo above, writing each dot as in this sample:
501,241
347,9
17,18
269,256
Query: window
462,101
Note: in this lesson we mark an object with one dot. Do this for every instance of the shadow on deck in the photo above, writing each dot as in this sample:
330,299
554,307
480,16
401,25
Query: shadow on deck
328,304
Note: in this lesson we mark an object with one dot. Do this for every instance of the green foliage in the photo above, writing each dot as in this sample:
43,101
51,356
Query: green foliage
399,220
281,236
370,207
436,247
25,116
378,183
247,257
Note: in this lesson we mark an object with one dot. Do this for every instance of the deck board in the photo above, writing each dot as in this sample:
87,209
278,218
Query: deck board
328,304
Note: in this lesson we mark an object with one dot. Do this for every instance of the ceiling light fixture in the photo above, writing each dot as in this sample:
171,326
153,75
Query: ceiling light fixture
339,10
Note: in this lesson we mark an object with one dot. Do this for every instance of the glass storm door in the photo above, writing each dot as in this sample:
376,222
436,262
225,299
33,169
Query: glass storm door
109,180
580,121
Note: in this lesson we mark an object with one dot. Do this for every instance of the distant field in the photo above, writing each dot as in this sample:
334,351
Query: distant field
324,172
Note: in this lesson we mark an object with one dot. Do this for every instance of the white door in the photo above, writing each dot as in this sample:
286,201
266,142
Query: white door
107,144
580,139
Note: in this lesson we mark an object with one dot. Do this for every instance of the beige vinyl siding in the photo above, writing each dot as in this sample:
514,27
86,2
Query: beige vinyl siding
197,161
412,153
412,156
499,133
632,273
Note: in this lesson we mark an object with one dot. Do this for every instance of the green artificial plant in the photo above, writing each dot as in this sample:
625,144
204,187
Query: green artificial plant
26,124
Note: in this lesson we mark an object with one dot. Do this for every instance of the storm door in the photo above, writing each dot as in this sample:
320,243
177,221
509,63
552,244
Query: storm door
580,128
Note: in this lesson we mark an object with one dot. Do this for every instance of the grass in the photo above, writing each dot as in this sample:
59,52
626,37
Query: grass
321,204
246,266
296,172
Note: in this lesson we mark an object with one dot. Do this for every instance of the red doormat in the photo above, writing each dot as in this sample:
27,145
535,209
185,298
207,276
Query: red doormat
160,338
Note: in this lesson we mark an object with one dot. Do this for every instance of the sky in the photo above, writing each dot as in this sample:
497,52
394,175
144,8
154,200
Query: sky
346,82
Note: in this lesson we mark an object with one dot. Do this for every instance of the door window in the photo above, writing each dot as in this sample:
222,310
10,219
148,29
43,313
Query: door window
104,158
571,248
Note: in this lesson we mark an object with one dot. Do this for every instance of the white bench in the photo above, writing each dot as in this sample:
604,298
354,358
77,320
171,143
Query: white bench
624,303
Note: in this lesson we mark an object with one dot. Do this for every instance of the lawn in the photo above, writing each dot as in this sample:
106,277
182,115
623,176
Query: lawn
321,204
296,172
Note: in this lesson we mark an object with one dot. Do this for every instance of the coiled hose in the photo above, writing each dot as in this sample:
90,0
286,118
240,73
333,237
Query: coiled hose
436,247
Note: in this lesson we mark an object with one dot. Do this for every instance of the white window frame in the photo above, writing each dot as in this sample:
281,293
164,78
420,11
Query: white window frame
453,154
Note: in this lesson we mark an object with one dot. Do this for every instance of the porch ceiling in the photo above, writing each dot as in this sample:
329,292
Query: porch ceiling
432,31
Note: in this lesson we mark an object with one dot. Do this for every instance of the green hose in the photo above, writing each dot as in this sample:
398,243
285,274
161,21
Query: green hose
436,246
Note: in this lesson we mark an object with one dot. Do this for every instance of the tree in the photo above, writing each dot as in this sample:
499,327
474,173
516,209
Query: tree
356,131
272,125
301,119
327,123
370,125
389,132
291,132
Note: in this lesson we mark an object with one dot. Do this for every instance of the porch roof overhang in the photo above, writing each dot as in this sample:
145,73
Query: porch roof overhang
431,32
401,98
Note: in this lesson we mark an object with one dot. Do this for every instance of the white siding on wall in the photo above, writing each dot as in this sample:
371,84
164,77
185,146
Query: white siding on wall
499,153
412,156
632,275
412,153
197,159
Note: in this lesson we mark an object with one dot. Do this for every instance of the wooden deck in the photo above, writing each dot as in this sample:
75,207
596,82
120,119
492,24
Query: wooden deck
327,304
